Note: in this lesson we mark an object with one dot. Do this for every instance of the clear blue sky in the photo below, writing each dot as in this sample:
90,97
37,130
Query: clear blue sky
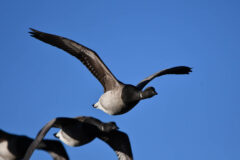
192,117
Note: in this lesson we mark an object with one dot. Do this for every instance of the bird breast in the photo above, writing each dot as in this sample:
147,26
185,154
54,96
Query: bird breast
4,152
111,102
67,139
75,136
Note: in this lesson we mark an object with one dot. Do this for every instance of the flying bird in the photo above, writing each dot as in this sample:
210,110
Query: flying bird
14,147
82,130
118,98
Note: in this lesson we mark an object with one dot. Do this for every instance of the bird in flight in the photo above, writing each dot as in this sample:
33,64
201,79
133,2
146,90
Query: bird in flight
82,130
118,98
14,147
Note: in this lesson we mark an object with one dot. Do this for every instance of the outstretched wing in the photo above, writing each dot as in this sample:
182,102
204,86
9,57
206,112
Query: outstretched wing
55,148
174,70
87,56
57,122
120,143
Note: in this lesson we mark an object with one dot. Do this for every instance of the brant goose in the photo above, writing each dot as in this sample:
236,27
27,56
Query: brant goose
82,130
118,98
14,147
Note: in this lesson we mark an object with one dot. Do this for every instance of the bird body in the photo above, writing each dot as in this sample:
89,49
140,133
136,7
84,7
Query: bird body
110,103
76,135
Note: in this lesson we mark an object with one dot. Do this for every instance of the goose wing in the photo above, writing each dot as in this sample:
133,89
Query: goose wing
57,122
87,56
174,70
119,142
55,149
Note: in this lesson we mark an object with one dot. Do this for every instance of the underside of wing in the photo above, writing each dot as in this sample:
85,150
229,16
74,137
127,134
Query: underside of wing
120,143
87,56
174,70
55,149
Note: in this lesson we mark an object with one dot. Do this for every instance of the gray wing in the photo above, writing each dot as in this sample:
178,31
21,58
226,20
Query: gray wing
54,148
174,70
57,122
120,143
87,56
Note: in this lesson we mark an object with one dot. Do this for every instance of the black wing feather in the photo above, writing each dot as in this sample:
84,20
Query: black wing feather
120,143
55,149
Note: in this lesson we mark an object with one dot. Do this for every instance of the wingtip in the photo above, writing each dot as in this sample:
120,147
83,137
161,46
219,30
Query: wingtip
190,69
187,69
32,29
34,33
31,33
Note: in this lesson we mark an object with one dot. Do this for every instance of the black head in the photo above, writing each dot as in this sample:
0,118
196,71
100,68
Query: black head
110,126
148,93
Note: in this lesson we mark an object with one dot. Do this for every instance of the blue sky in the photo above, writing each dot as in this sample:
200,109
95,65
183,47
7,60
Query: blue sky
193,116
